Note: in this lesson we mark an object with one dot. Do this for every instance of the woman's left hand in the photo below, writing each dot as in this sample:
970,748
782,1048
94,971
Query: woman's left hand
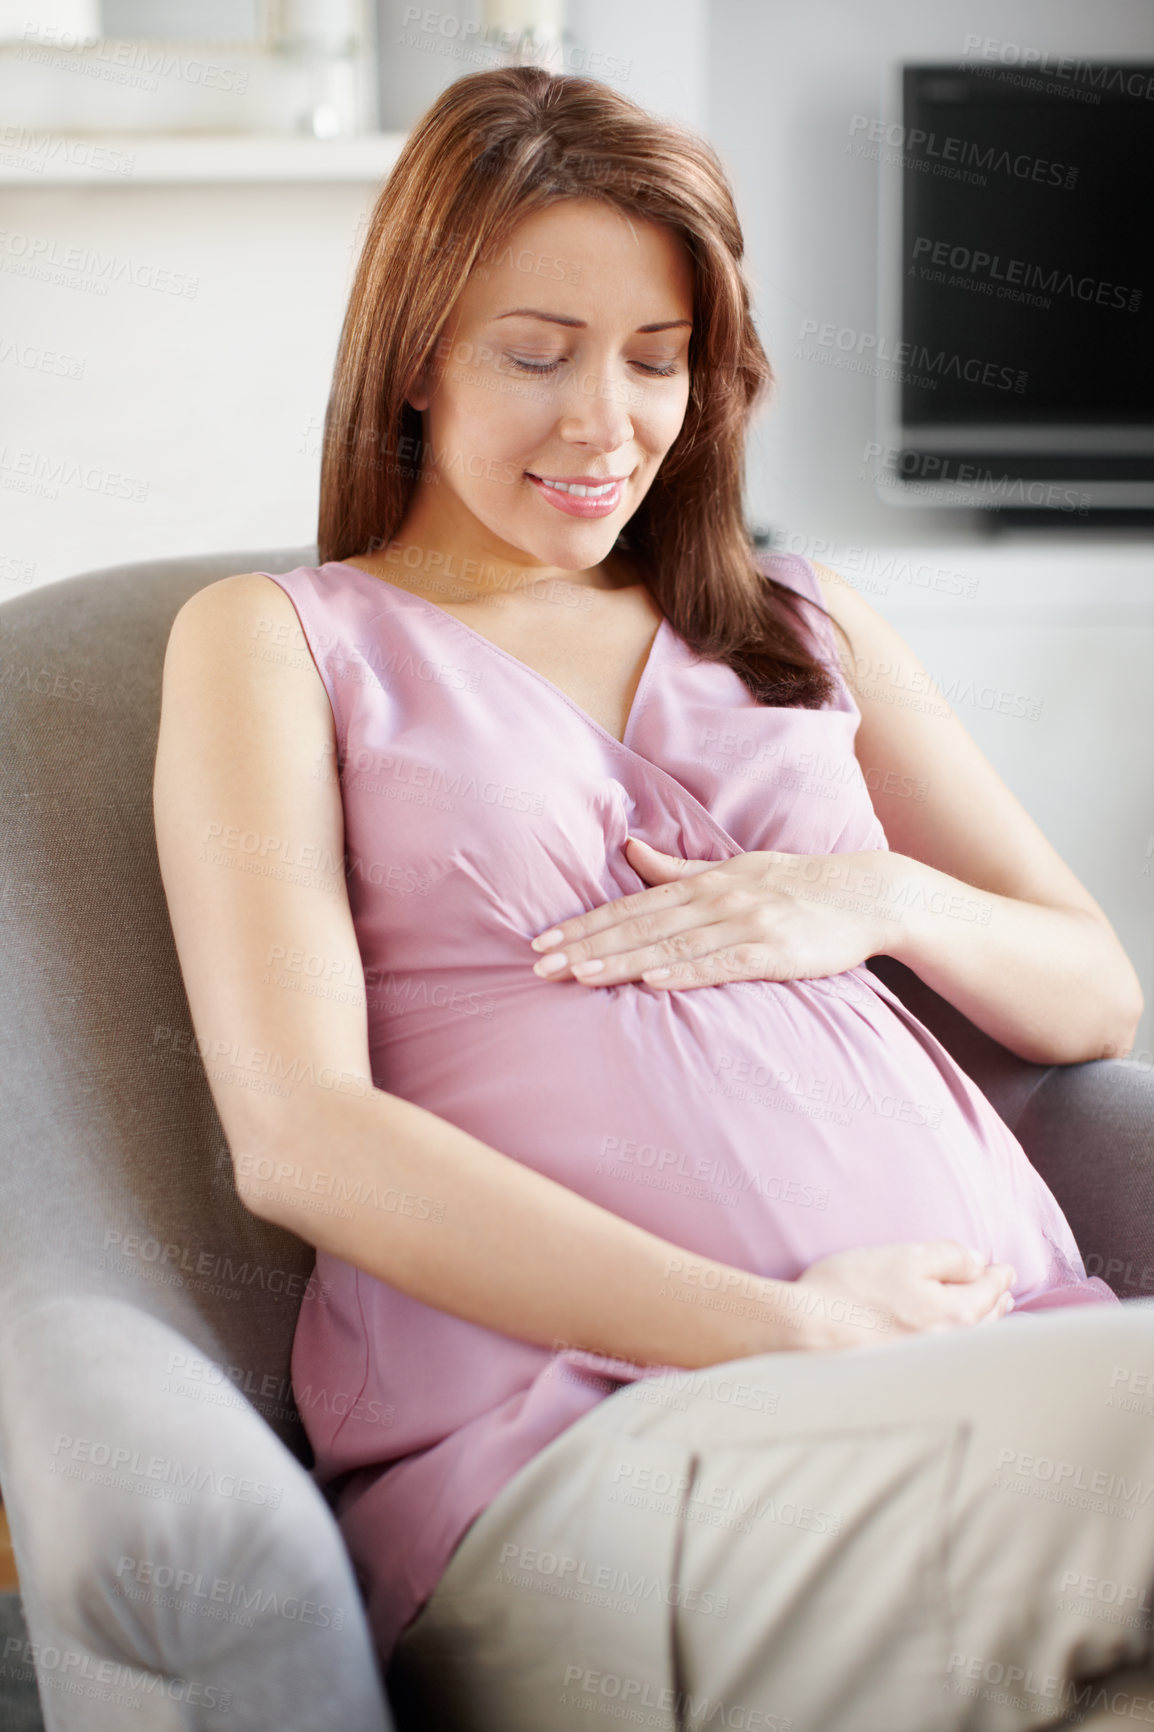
758,916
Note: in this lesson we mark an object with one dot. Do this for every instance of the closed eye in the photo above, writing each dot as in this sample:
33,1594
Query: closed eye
551,366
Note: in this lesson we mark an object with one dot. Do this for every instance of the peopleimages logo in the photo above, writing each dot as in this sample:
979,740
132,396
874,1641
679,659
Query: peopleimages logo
899,466
36,149
922,149
198,1592
1119,80
1019,272
85,268
934,364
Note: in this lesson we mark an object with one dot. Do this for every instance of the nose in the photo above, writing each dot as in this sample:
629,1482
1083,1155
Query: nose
597,411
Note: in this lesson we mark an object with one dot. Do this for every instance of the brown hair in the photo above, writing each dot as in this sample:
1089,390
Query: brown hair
495,147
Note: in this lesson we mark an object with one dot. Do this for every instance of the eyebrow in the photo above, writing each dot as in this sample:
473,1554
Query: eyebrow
580,324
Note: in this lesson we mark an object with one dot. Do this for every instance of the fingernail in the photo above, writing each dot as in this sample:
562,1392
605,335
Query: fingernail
549,965
548,939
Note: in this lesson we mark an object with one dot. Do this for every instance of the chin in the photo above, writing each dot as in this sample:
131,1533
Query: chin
572,550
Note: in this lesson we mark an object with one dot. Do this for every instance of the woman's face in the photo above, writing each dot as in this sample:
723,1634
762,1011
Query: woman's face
565,359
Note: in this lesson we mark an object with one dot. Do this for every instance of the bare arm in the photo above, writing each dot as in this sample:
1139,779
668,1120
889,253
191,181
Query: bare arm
246,756
1043,972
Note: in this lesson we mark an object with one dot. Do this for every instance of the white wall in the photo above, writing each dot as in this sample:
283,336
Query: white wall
657,52
203,397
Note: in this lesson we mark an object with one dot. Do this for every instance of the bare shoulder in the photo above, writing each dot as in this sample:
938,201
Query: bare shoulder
244,631
248,597
876,652
845,604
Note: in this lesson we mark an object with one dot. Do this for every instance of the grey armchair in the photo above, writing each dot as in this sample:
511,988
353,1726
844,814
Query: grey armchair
176,1557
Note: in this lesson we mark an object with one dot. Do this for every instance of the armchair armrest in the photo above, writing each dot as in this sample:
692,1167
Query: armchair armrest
179,1566
1087,1128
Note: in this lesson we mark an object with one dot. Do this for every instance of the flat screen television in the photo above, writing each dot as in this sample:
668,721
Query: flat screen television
1015,355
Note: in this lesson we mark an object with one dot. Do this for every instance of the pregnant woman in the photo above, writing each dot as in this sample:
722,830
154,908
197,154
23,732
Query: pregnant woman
659,1363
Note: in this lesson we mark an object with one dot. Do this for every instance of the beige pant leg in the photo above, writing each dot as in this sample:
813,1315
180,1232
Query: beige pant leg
953,1530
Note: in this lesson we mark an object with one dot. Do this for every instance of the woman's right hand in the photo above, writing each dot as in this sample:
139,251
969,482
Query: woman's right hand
866,1297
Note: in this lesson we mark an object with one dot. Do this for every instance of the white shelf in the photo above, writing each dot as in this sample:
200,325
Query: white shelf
52,159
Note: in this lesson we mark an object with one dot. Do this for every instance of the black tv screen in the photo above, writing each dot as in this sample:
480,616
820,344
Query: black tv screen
1027,287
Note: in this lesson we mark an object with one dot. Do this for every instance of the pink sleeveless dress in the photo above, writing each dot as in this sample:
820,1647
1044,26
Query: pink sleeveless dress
763,1124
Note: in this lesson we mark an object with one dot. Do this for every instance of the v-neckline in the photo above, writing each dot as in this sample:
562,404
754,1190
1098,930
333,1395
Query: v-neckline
639,691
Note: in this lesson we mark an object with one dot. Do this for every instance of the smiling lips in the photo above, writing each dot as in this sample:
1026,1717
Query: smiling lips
580,498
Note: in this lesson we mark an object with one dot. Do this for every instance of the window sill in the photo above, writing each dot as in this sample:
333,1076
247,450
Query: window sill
152,159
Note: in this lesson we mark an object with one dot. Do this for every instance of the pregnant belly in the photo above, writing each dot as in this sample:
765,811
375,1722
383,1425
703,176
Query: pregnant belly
763,1124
